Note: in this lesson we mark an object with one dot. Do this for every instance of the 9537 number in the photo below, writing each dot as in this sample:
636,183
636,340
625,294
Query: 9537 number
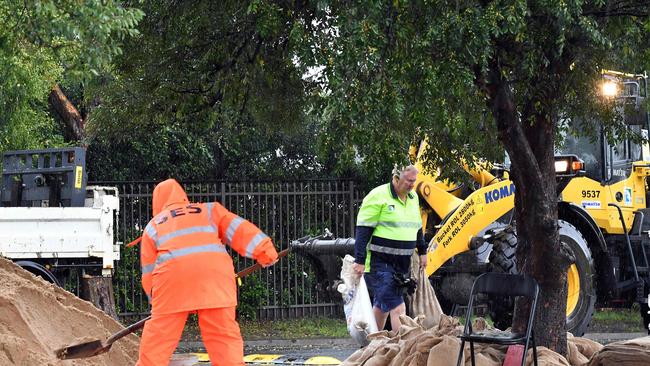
587,193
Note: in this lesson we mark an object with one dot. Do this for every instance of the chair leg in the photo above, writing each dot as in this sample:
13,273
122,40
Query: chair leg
471,348
460,353
523,357
534,352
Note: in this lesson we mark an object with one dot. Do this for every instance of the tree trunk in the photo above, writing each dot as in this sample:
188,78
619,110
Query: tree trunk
68,113
99,291
530,147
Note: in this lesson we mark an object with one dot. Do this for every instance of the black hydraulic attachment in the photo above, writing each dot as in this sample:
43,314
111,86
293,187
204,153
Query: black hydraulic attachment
44,178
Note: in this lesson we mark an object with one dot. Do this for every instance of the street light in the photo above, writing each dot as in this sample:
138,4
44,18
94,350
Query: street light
609,88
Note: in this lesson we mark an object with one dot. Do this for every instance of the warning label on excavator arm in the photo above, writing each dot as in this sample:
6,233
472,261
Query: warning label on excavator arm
479,209
448,232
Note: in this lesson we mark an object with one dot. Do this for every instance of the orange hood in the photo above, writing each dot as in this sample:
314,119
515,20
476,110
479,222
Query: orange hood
167,193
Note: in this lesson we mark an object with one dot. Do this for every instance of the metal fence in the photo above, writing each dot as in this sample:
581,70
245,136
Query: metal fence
283,210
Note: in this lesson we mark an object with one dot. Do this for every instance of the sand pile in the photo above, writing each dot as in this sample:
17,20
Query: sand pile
36,318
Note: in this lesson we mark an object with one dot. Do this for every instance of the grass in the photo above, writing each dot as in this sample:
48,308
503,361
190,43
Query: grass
294,328
279,329
616,320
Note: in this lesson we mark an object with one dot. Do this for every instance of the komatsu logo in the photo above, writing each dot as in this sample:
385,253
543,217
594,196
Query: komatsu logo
498,194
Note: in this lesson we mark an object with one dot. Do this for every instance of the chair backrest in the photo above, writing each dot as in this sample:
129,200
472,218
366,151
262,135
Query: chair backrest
505,284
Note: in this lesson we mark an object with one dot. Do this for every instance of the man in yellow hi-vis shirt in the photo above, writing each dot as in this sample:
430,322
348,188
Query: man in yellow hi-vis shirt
389,229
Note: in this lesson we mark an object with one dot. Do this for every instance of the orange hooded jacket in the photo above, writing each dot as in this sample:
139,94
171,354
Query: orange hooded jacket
185,265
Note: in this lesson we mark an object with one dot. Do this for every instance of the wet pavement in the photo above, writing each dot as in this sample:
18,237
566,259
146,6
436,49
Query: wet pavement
276,352
286,357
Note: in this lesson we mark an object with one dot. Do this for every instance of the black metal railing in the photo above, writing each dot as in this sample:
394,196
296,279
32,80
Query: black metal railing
283,210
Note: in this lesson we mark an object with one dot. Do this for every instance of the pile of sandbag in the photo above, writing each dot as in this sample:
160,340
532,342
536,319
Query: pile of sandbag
415,345
431,338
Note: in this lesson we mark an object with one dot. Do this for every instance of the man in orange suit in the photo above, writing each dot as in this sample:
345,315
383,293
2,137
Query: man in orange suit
186,268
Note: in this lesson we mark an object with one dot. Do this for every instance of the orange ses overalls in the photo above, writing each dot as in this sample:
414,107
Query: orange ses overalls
186,268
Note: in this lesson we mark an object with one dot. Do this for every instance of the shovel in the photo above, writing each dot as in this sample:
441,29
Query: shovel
97,347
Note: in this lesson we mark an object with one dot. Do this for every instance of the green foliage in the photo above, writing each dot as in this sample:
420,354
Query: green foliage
252,295
41,44
190,152
126,281
387,86
26,77
209,90
392,70
610,320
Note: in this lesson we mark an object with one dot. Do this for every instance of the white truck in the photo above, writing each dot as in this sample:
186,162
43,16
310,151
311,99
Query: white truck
51,223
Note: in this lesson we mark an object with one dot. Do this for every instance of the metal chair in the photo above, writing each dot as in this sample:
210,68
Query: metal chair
503,285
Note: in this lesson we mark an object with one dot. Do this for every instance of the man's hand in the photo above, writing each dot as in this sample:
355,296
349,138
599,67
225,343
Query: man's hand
423,261
358,268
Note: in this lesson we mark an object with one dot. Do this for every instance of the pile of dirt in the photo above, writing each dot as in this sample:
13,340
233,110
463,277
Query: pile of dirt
36,318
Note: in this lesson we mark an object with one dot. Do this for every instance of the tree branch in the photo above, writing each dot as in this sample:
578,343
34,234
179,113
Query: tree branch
68,112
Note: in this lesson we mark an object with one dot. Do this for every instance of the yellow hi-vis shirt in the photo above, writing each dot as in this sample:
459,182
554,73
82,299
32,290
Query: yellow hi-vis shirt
395,226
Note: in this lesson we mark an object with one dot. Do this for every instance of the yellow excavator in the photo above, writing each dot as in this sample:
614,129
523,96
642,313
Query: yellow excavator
602,211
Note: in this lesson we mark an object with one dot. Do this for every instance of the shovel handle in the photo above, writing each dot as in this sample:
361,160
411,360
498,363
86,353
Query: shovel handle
135,242
248,270
126,331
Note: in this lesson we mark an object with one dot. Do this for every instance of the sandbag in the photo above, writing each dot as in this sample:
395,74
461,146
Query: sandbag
384,355
585,346
445,352
580,350
449,325
412,337
574,356
377,341
546,357
424,300
624,353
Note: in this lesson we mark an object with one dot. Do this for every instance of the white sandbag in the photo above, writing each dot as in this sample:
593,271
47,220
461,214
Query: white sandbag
356,303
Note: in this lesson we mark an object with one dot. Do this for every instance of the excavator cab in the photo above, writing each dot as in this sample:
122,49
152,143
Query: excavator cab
610,163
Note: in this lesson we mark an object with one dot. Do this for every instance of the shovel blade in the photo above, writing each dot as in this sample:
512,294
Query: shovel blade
82,350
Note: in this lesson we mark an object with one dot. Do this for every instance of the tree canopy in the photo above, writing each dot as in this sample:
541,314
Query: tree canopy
210,90
43,43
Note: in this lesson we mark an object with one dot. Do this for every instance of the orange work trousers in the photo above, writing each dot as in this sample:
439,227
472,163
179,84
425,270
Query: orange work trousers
219,330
